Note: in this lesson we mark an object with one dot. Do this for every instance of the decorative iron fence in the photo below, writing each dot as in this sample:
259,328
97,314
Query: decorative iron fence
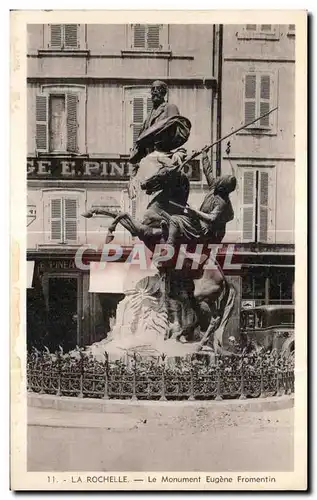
196,378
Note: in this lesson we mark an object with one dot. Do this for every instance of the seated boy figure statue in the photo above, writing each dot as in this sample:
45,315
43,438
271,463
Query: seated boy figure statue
216,210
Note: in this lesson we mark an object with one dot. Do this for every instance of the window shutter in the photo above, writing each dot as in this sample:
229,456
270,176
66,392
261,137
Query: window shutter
138,117
41,123
139,36
265,94
263,207
71,36
248,205
266,27
153,36
56,36
72,122
251,27
56,219
250,98
149,105
133,208
70,219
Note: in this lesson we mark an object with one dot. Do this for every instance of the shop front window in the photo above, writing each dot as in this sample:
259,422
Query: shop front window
264,286
281,286
253,287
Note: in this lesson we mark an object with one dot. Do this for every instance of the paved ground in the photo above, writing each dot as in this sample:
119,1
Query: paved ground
190,439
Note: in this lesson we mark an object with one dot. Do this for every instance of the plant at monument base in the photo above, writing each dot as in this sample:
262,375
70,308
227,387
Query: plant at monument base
195,377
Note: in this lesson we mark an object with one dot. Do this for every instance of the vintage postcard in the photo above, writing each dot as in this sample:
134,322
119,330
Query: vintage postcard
158,242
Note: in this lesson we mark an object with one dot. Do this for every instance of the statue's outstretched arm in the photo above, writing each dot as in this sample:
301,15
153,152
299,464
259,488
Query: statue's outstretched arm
207,168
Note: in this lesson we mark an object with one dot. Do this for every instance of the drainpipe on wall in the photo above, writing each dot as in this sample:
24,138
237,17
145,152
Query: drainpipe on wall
168,58
212,115
219,100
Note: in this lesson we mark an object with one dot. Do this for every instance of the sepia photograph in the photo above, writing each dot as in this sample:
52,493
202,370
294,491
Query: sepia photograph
160,199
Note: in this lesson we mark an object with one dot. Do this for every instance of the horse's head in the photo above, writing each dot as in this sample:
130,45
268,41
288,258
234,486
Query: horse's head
160,180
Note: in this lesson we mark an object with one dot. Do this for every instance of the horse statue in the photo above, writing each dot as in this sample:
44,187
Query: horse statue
171,184
198,300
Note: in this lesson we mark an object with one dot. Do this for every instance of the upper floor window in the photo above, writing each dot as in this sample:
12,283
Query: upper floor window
64,36
260,28
58,114
259,99
259,31
138,104
148,37
291,30
257,204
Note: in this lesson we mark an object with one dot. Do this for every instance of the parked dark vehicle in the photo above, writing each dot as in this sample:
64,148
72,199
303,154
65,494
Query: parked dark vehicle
269,327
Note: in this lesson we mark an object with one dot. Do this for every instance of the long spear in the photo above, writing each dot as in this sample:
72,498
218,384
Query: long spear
206,148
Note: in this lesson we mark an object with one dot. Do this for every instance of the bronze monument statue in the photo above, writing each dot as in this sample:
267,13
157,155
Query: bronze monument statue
179,310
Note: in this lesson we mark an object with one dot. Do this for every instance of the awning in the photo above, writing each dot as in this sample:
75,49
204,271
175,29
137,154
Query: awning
29,273
115,277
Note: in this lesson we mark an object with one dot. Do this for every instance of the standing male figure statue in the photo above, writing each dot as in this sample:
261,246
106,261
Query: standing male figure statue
161,110
163,131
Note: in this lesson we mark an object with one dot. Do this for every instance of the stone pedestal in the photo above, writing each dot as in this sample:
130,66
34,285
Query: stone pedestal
159,317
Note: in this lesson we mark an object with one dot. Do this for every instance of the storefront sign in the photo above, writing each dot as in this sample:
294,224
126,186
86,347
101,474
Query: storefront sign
79,168
57,265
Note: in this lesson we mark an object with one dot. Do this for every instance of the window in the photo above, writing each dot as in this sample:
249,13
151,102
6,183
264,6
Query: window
281,286
148,37
291,30
64,36
256,204
58,114
62,221
56,123
258,100
138,106
253,286
259,31
268,285
141,107
260,28
64,213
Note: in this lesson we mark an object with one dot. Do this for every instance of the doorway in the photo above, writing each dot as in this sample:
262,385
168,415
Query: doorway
63,313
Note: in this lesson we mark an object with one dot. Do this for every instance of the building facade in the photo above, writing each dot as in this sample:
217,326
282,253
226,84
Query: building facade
258,74
88,93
